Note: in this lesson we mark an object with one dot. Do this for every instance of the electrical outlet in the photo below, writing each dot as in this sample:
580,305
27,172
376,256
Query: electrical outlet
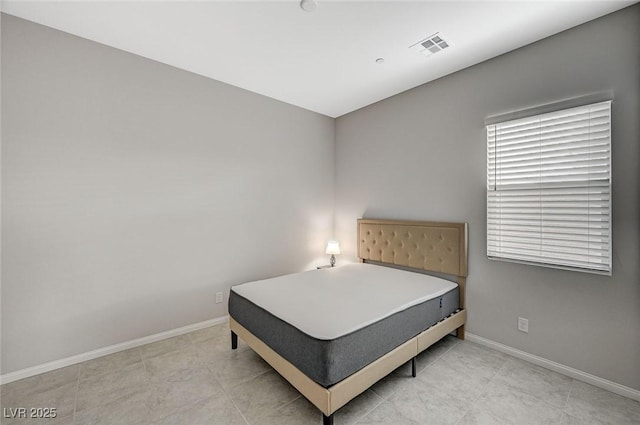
219,297
523,324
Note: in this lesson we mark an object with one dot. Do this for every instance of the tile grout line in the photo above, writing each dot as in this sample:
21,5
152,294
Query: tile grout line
486,389
200,363
396,390
226,393
566,402
436,359
535,396
75,398
382,400
244,381
282,406
417,373
146,374
270,369
471,403
224,390
504,365
144,366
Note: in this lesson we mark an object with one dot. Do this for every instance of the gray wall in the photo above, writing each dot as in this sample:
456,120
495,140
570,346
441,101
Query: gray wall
133,191
422,155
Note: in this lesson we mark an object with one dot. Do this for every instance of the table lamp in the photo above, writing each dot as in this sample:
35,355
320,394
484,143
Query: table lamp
333,248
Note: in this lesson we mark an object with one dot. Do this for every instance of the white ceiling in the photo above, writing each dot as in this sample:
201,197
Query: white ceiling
325,60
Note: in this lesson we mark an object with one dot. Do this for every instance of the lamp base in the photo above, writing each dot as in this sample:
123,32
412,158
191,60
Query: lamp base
333,260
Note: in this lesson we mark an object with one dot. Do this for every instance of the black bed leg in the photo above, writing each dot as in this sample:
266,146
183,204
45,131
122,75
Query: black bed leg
327,420
413,367
234,340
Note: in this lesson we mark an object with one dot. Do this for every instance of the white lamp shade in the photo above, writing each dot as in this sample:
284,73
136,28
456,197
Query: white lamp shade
333,247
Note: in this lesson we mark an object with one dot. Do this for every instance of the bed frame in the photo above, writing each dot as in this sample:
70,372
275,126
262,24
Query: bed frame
432,246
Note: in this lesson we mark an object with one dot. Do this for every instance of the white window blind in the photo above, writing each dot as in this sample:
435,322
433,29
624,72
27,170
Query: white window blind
549,189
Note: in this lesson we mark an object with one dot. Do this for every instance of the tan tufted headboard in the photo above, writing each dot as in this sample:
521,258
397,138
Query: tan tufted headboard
433,246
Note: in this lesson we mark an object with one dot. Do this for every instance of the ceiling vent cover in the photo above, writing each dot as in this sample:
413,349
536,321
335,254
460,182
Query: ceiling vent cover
430,45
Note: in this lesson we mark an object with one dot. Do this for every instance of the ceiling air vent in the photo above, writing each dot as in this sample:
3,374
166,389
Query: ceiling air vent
430,45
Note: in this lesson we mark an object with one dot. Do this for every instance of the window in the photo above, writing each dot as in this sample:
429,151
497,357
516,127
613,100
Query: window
549,189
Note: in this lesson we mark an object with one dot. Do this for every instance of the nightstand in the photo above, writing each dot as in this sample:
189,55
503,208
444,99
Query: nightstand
328,266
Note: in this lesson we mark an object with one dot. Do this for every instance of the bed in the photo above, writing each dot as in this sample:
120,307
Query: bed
352,325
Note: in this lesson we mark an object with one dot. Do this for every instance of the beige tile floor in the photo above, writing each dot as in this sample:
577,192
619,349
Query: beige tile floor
196,379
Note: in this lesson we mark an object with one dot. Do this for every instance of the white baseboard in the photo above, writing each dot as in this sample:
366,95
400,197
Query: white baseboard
83,357
531,358
557,367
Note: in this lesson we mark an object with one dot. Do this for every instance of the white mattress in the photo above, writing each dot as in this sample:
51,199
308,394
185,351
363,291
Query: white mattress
329,303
